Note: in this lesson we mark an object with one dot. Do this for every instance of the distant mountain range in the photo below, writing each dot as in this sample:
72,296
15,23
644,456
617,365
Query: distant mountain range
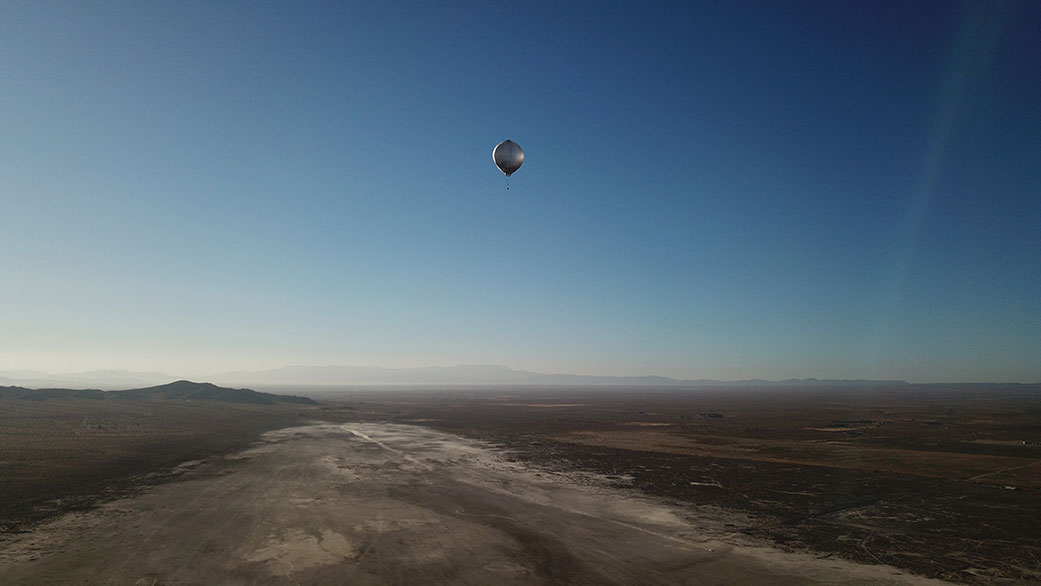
463,374
482,374
106,379
460,375
181,390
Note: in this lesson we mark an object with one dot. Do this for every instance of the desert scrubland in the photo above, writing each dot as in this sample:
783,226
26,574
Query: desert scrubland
869,485
942,480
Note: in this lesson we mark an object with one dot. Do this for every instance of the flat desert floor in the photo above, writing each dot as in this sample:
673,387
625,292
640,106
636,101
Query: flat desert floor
387,503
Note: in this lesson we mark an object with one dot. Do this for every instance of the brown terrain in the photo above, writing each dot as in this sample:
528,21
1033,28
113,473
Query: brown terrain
940,481
62,450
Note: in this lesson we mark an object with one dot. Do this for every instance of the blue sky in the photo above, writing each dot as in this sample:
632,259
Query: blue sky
720,190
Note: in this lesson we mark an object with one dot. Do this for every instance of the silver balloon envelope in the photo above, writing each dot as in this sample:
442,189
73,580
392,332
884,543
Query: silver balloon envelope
508,156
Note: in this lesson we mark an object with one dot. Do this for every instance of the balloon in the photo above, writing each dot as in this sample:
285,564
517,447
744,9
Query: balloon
508,156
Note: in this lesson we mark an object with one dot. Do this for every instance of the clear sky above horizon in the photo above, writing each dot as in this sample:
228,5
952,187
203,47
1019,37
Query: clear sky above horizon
722,190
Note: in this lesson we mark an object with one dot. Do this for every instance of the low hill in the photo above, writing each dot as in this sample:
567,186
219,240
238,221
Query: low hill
192,391
181,390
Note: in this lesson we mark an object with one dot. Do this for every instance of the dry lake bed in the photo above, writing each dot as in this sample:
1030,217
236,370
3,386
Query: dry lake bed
386,503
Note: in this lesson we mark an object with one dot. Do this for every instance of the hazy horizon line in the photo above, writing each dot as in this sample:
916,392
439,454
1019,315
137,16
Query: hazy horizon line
255,377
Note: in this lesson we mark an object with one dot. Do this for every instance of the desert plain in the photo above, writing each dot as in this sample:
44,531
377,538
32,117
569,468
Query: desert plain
854,484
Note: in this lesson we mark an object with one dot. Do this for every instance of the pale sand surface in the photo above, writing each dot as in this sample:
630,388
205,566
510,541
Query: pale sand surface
399,504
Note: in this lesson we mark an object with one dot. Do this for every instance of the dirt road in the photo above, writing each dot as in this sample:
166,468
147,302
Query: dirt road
398,504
